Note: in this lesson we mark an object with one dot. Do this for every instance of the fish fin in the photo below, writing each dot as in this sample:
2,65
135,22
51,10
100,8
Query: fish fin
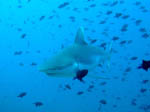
80,37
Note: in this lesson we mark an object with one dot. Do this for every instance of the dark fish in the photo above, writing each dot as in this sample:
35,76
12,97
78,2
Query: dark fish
67,86
90,88
59,25
33,64
133,102
38,104
21,64
128,69
41,18
109,12
23,36
72,18
115,38
103,45
92,5
125,16
19,29
103,83
134,58
121,1
102,22
93,41
103,101
50,17
123,42
114,3
145,35
143,90
80,93
145,107
130,41
81,74
137,3
117,15
114,106
138,22
63,5
21,95
145,65
142,30
145,81
17,52
124,27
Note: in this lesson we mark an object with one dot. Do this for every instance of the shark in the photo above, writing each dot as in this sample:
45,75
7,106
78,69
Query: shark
80,55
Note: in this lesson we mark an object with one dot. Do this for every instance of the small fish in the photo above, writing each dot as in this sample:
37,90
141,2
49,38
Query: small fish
142,30
17,52
145,81
109,12
63,5
21,95
123,42
145,35
137,3
114,3
90,88
125,16
102,22
138,22
143,90
103,101
115,38
145,107
41,18
134,58
117,15
124,27
80,93
38,104
21,64
93,41
133,102
33,64
103,83
145,65
128,69
81,74
92,5
23,36
67,86
72,18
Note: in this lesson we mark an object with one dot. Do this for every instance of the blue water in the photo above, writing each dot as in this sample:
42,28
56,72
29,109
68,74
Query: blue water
33,30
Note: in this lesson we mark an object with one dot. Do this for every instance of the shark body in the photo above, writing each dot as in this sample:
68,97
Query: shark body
77,56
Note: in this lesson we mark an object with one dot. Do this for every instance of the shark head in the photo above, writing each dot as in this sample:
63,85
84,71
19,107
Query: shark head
77,56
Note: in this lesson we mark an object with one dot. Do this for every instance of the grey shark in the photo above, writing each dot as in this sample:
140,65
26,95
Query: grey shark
75,57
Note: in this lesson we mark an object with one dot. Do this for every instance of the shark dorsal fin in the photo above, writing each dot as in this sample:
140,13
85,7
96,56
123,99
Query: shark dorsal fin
80,37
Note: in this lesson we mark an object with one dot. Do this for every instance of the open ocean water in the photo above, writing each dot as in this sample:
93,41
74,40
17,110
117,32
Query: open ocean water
31,31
